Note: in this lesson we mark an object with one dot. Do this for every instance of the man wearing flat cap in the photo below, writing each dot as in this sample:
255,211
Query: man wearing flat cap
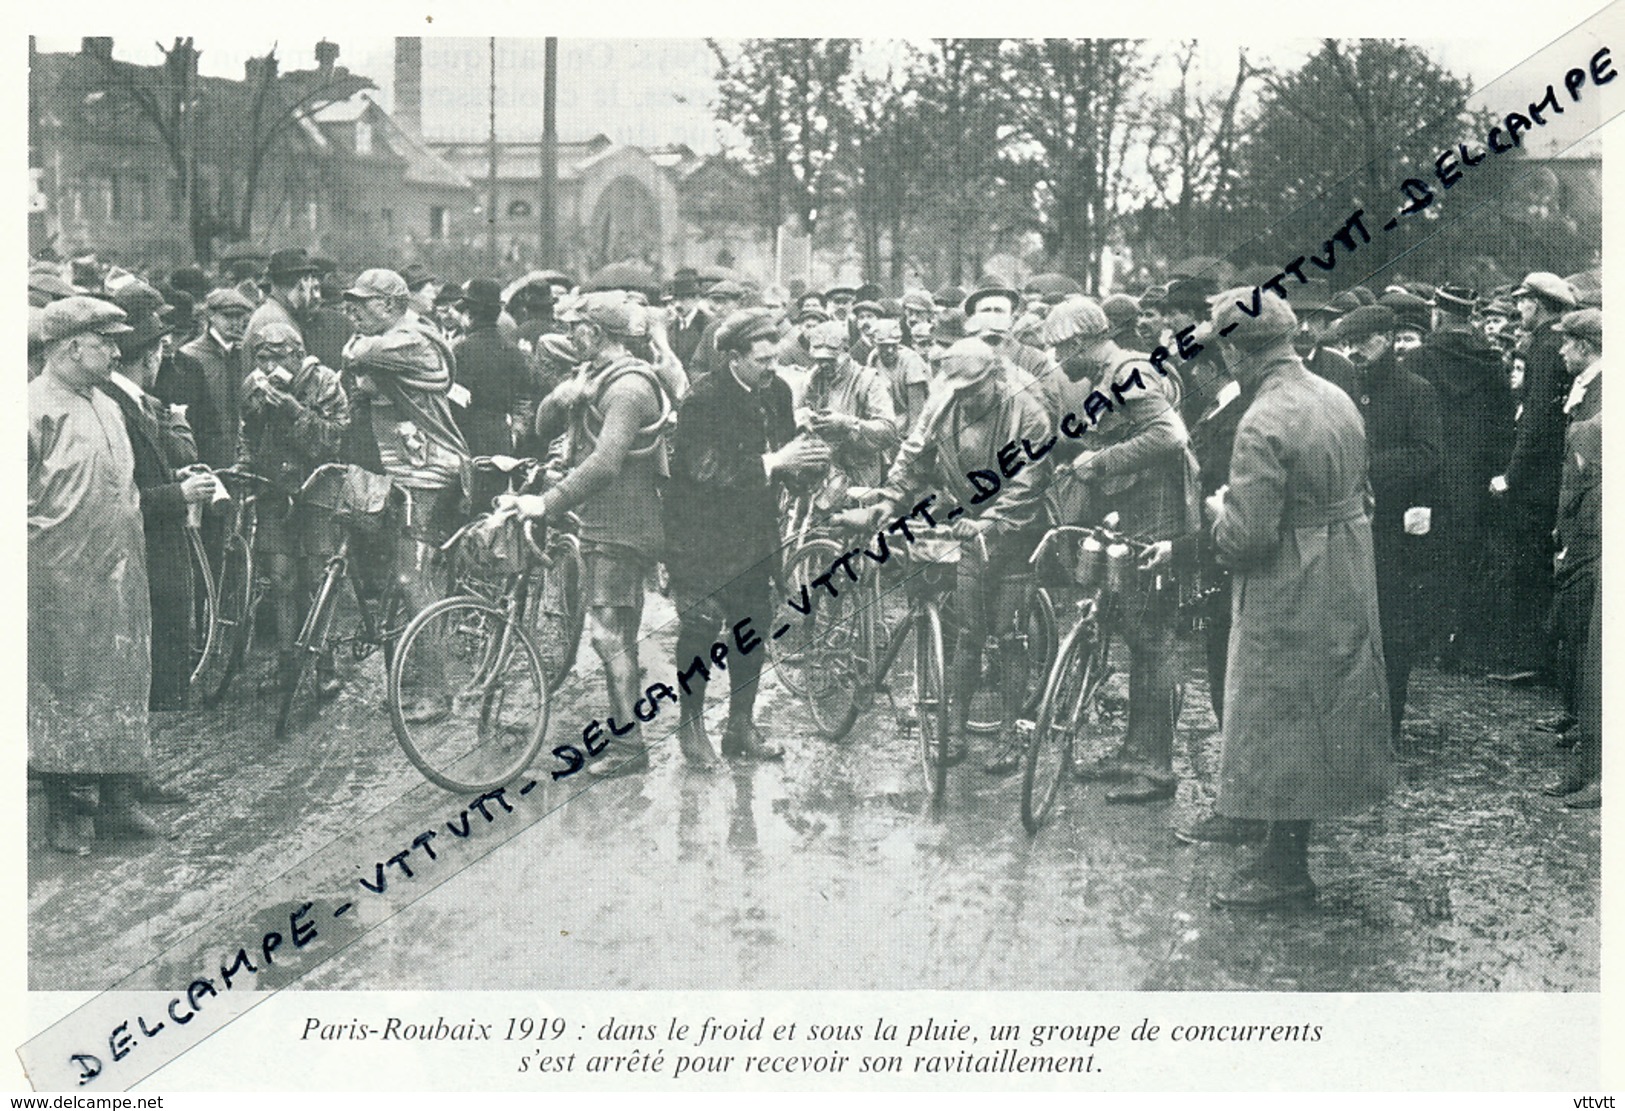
1529,487
617,410
1578,530
1306,728
793,352
733,448
216,366
1404,445
89,618
721,299
1315,342
1475,419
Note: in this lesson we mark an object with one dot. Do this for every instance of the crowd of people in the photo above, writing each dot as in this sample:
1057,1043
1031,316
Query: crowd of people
1334,483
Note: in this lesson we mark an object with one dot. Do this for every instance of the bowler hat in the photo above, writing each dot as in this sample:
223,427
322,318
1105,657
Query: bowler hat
1455,298
290,262
990,288
685,283
485,292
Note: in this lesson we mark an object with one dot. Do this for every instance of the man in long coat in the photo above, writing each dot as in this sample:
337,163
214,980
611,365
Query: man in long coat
88,617
1306,731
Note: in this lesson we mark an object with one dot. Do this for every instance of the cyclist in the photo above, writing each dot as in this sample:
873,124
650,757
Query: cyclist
617,410
1137,464
295,414
976,407
848,407
401,374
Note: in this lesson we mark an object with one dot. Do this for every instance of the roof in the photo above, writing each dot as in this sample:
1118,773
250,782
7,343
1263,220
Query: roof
423,166
522,161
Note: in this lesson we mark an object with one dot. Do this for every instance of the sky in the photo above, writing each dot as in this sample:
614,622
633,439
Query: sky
643,92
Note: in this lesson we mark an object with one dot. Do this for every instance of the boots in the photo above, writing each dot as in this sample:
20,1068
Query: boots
695,744
741,740
119,815
1279,877
67,819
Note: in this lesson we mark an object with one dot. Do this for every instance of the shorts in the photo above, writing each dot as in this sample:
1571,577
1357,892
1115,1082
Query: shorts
615,575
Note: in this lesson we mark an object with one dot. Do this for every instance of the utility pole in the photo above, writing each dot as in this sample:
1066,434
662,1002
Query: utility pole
36,157
549,207
491,209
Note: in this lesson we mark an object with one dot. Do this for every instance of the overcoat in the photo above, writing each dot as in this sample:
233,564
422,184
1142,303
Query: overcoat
88,613
1306,730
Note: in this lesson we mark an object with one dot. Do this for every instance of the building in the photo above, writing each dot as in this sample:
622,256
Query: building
304,157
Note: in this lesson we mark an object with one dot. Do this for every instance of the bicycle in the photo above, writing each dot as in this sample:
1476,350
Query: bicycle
1072,707
555,613
239,588
473,654
378,620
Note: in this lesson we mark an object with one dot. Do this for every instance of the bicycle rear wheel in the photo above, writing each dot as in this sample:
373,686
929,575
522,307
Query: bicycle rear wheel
931,700
793,655
558,609
202,642
468,699
233,619
1049,750
310,645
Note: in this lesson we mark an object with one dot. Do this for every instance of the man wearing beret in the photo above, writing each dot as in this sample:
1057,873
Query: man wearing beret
1529,487
89,618
617,410
735,443
1578,531
1475,416
1306,729
1403,440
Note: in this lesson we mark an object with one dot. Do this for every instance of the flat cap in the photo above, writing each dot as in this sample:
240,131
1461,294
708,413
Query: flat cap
810,310
76,315
1548,287
949,297
1191,294
950,326
1121,310
1365,321
136,297
481,291
227,298
727,288
48,284
744,327
918,300
1051,286
845,291
613,310
1408,308
377,282
290,262
828,336
1074,318
277,333
887,332
1275,319
1498,306
416,275
1582,324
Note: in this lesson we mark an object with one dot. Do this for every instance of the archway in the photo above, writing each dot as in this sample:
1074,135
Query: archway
625,224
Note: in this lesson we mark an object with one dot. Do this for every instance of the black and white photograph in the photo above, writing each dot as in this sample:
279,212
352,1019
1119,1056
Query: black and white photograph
874,514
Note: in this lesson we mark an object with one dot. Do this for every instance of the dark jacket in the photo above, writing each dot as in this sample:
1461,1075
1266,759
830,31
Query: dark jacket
1475,420
1536,468
722,513
498,380
161,443
1403,442
685,339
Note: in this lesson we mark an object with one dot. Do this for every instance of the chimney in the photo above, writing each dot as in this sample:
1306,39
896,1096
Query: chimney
97,47
326,54
409,84
256,70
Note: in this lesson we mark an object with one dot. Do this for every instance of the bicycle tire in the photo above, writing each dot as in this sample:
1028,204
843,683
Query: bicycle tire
790,654
1042,649
202,623
309,645
496,705
1053,732
931,701
234,613
560,614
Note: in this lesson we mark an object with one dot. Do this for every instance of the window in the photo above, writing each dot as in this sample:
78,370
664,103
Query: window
363,137
519,210
437,222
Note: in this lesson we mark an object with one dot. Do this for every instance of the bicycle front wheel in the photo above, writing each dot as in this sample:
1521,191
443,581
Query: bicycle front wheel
467,695
931,701
557,602
1049,749
233,619
310,646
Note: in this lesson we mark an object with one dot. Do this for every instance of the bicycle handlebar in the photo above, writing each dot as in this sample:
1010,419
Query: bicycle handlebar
237,474
1106,535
